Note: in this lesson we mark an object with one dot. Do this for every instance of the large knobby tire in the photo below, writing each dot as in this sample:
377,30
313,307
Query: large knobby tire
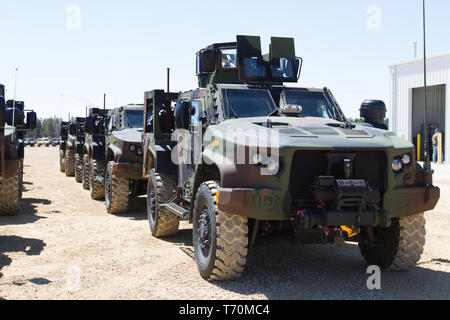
96,188
70,165
86,171
117,192
62,166
398,247
220,239
160,190
20,178
78,168
10,195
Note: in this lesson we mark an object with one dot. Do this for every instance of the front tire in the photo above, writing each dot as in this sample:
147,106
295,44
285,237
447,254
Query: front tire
86,170
220,239
117,192
159,191
70,165
10,195
78,168
96,188
398,247
62,166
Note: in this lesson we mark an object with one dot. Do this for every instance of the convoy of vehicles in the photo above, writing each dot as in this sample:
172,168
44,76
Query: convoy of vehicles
245,156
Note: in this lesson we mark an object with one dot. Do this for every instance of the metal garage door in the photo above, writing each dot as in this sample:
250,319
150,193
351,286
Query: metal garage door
435,109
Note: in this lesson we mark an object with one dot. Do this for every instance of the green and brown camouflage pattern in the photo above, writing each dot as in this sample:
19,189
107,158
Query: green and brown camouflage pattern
305,144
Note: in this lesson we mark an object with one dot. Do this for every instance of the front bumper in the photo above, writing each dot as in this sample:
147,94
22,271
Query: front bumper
266,204
132,171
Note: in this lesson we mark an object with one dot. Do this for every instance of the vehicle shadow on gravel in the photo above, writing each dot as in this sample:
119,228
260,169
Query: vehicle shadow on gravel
137,210
32,247
28,212
294,271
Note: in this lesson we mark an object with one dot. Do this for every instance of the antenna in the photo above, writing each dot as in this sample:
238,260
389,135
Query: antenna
14,101
427,164
168,80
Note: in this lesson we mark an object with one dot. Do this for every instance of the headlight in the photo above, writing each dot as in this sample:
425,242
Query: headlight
140,151
133,148
272,165
406,159
397,165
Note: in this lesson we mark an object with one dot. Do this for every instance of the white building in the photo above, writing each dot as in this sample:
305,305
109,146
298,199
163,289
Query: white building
407,98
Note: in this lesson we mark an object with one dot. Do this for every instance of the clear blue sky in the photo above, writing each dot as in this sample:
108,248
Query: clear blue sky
123,47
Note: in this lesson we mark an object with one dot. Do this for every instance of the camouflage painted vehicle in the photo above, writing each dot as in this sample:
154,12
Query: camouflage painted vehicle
74,149
123,171
12,131
64,135
257,158
94,153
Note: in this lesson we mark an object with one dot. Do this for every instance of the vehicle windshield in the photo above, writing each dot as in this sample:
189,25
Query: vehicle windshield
135,118
314,104
245,103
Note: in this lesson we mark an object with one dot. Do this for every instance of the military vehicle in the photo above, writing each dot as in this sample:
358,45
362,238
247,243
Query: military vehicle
124,153
74,149
94,153
13,127
64,134
254,157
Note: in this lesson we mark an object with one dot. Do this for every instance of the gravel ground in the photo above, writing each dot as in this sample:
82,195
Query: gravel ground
64,245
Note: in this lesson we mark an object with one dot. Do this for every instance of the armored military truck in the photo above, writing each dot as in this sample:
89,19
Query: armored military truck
252,157
15,121
74,149
64,134
124,153
94,152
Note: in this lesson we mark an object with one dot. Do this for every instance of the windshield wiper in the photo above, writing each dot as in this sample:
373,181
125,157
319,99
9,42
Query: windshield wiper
273,113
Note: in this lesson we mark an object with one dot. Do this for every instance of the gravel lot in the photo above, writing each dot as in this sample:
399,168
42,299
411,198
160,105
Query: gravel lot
65,246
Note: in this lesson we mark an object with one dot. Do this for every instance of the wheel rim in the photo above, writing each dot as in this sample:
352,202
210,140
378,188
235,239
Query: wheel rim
204,232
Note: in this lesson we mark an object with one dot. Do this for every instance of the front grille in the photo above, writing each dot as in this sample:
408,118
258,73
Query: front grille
306,164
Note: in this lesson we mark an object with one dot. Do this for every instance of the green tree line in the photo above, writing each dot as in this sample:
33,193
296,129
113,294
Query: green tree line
48,127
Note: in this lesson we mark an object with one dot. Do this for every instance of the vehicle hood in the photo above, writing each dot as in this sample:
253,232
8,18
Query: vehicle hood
129,135
306,133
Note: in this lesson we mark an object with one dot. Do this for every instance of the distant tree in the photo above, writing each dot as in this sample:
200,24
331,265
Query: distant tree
48,127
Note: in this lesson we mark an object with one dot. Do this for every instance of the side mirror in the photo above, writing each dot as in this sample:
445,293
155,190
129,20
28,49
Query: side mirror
31,120
374,112
182,114
206,61
63,131
90,125
13,113
73,129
